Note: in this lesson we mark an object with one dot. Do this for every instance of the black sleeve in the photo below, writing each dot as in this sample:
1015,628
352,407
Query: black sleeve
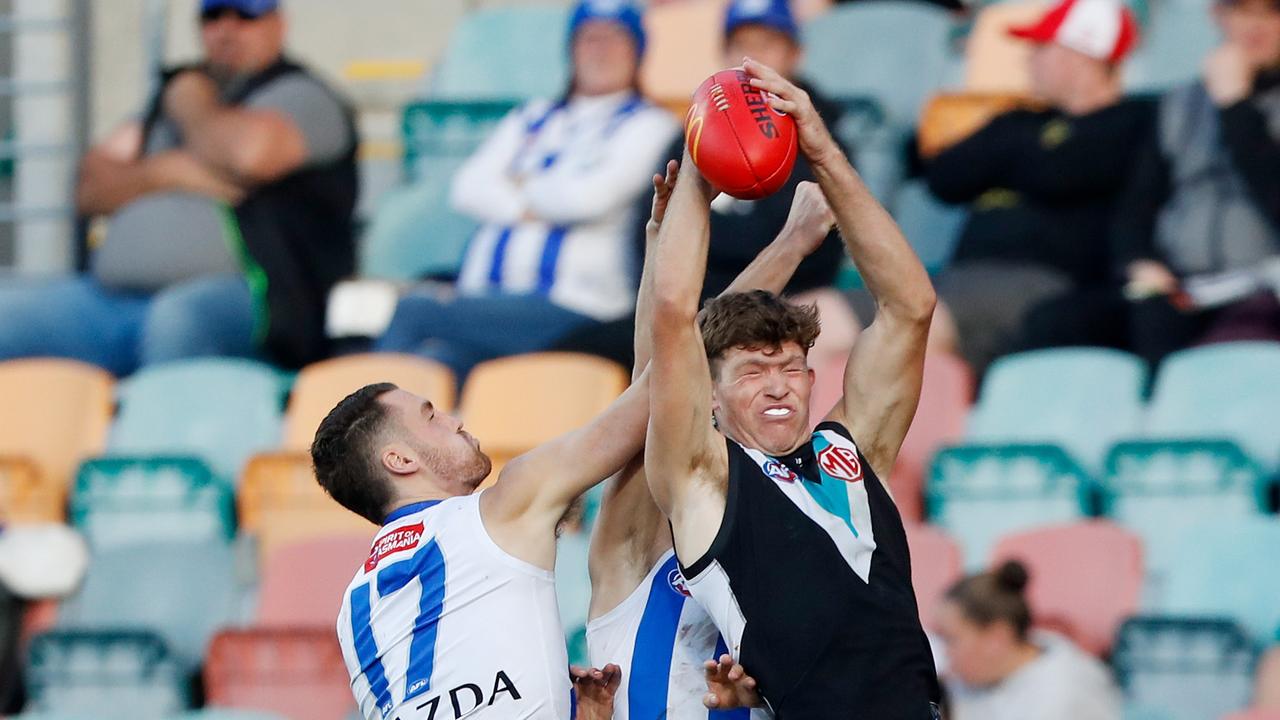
1145,191
974,165
1093,160
1255,154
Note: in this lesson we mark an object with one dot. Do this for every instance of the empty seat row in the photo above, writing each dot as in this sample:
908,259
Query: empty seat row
222,412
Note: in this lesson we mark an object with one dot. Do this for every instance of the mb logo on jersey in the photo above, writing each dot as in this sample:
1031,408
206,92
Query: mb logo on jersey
841,463
676,581
405,538
779,471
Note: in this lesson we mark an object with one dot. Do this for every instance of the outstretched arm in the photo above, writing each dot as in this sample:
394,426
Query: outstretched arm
882,379
680,452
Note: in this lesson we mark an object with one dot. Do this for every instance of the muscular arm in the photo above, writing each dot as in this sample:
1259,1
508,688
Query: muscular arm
681,454
882,379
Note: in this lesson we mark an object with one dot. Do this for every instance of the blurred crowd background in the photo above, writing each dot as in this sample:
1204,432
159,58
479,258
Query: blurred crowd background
219,217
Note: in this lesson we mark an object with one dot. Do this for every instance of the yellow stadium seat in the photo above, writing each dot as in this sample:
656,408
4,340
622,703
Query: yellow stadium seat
55,412
28,496
322,385
281,502
514,404
684,40
949,118
994,61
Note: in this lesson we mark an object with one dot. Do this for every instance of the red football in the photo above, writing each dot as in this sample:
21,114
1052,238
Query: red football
740,143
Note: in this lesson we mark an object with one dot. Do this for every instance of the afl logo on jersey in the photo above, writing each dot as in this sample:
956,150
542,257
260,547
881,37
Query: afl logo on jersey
841,463
676,581
779,471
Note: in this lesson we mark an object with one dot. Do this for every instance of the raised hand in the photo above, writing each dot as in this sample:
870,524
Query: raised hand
815,139
596,688
662,187
729,686
810,219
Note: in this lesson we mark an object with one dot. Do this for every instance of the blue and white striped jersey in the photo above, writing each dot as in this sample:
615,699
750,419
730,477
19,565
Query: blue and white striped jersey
441,623
660,638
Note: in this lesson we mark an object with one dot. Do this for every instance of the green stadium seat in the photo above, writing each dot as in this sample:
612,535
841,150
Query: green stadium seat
863,49
1083,399
980,493
931,226
414,233
1161,489
1176,39
104,675
183,591
506,52
1183,668
1227,569
119,501
450,129
1226,391
220,410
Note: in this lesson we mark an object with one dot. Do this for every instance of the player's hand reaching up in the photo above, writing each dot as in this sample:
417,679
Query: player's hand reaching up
729,686
595,688
810,219
815,140
662,187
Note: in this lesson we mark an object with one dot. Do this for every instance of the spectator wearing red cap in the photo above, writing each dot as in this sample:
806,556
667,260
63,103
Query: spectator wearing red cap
1198,232
1041,185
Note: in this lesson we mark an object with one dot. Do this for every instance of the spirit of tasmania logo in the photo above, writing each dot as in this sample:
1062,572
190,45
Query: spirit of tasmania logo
404,538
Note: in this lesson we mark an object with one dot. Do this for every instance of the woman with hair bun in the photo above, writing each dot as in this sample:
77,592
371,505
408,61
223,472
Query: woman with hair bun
997,668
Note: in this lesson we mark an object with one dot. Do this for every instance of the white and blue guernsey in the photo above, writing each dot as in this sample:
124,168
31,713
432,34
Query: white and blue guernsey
660,638
440,623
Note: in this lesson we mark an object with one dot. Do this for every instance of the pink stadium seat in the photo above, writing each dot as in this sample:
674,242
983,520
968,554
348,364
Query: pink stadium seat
1255,714
297,673
303,582
940,419
1086,578
935,565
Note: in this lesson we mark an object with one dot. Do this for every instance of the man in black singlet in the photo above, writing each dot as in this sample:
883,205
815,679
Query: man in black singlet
789,539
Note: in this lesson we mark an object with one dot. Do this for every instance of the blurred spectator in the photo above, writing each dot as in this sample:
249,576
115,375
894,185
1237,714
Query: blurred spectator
997,669
1202,210
766,31
231,203
554,189
1041,185
11,609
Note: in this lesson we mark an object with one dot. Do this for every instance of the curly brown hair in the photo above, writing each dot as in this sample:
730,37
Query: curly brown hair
755,320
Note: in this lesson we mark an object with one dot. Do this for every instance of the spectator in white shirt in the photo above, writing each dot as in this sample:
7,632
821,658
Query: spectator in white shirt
554,189
996,668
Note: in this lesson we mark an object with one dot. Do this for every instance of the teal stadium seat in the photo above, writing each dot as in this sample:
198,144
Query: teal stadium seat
181,591
451,129
1227,569
980,493
415,233
891,50
932,227
1083,399
1226,391
121,501
220,410
506,52
1162,489
104,675
1177,37
1183,668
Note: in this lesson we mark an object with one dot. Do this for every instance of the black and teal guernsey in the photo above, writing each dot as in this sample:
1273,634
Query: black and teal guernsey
809,581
